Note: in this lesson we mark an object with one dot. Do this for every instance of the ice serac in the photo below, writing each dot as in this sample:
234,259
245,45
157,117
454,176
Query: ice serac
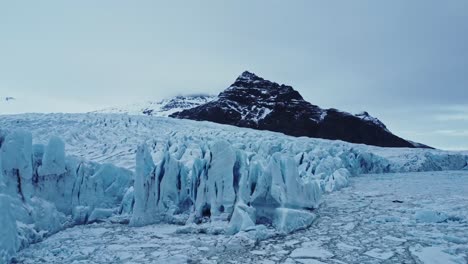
216,182
146,189
99,187
221,179
254,102
42,190
17,164
8,233
53,161
53,180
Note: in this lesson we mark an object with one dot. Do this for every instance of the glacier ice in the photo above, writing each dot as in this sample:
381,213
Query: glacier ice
17,168
337,180
217,186
176,171
98,187
145,188
42,191
427,216
287,220
8,233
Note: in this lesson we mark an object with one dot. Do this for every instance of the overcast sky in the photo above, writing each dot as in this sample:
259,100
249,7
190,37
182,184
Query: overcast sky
405,62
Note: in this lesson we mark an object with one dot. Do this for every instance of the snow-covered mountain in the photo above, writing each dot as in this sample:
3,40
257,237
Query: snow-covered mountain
254,102
161,108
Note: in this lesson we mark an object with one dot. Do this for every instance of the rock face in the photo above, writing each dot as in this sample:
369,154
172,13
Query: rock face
254,102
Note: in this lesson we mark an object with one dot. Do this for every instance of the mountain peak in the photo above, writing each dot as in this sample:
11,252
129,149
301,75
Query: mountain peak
248,76
254,102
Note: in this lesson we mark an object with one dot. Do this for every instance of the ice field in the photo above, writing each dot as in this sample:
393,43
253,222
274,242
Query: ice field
159,188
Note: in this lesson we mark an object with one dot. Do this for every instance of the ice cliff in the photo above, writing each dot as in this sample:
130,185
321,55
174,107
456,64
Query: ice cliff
42,191
217,182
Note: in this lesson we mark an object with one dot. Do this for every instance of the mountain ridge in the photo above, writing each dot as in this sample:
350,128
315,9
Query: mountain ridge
254,102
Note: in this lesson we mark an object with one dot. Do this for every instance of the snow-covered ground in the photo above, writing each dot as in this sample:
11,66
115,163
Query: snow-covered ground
385,218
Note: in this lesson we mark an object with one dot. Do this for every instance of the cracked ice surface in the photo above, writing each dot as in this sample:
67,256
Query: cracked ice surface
377,219
113,138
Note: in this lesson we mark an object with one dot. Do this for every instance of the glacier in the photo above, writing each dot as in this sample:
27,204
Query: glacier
42,191
145,170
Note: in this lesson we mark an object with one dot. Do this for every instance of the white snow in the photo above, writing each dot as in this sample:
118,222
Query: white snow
163,107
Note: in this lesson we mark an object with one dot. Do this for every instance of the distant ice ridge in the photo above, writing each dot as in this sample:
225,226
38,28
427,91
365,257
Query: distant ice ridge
175,171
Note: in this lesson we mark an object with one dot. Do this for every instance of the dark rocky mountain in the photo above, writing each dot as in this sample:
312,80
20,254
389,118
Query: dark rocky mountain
254,102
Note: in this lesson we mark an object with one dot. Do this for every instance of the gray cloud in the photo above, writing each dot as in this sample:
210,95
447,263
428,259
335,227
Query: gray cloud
400,60
453,113
455,133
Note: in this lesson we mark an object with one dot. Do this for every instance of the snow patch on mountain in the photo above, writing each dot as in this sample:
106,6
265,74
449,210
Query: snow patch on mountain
164,107
368,118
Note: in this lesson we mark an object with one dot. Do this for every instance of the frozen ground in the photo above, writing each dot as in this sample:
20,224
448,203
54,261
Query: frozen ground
385,218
